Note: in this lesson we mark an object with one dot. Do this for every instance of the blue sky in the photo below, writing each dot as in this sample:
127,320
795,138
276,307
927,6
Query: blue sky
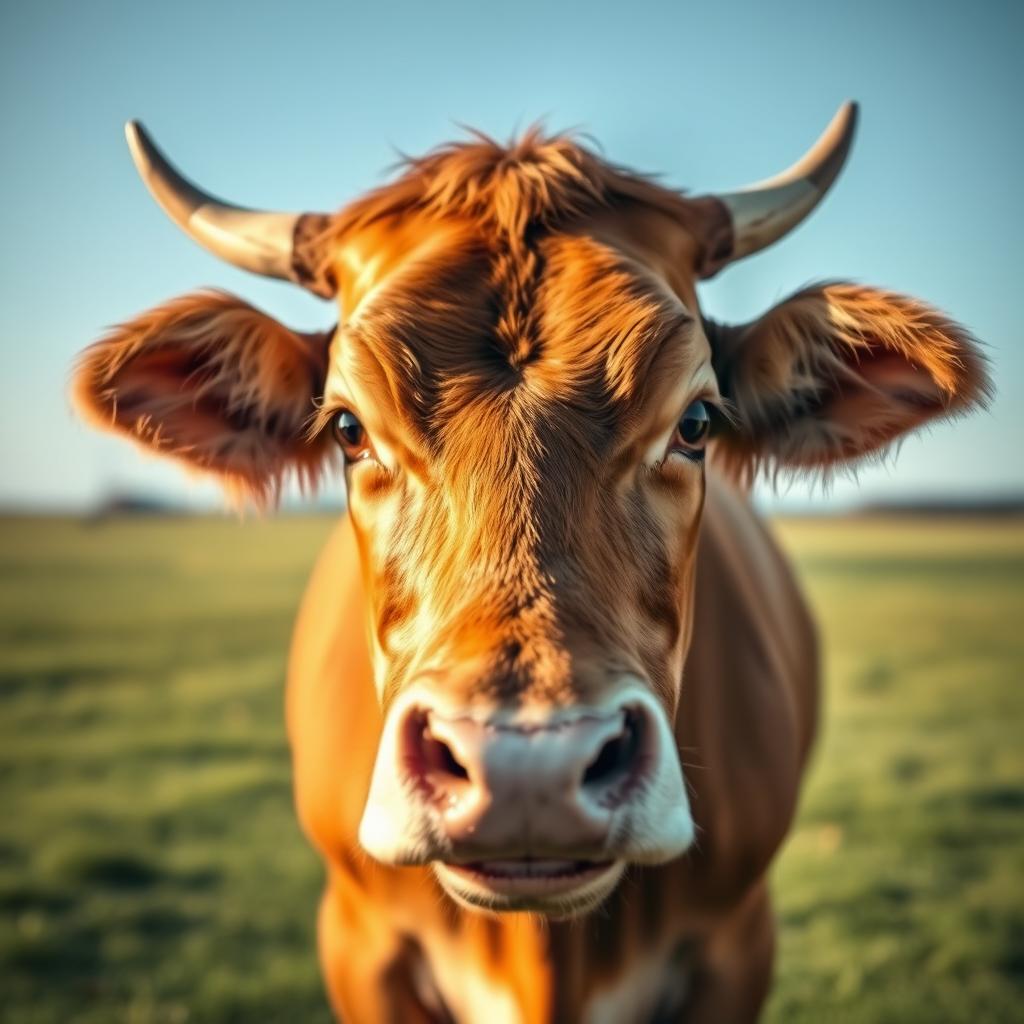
303,105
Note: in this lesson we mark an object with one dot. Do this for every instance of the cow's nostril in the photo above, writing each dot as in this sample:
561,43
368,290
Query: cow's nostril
438,758
427,758
616,759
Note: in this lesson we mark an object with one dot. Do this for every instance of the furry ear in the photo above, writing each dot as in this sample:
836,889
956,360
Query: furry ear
837,372
214,383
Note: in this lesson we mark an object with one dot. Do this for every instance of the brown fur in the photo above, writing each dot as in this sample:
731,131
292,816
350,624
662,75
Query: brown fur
519,326
535,180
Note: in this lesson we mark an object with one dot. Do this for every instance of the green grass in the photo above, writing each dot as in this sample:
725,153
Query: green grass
151,869
901,891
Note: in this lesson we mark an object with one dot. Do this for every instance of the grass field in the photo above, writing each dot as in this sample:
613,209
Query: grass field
151,869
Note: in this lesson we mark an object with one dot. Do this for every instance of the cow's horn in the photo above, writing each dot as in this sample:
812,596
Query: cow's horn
255,240
764,212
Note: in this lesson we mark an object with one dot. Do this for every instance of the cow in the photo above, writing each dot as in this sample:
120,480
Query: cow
553,686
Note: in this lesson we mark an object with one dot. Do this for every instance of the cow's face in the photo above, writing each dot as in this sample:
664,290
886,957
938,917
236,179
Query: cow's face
524,434
524,390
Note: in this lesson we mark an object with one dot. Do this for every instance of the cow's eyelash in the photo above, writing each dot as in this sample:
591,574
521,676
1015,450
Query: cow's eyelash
322,417
721,410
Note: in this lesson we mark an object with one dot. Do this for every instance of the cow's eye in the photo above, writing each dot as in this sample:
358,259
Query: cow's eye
691,434
351,435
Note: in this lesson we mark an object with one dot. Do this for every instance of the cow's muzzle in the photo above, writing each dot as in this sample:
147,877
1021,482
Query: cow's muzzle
520,809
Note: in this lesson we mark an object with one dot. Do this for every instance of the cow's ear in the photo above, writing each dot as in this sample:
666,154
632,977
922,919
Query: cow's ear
836,373
219,386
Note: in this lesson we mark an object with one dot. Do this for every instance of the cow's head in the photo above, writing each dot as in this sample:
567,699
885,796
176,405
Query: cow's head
526,397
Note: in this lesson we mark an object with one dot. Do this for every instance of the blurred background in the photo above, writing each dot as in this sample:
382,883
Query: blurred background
150,867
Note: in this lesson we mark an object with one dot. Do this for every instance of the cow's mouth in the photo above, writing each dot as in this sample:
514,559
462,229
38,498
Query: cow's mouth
531,883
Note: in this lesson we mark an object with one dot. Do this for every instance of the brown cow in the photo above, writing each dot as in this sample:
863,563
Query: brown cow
550,600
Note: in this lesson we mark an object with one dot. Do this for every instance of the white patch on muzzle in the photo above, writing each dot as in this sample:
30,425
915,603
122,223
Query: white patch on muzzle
401,825
658,826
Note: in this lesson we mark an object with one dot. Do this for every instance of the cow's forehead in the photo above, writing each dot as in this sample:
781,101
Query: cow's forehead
444,324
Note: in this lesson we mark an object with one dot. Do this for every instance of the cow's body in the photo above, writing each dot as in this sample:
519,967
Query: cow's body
697,929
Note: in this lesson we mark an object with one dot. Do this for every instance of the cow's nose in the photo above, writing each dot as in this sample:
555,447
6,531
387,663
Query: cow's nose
508,789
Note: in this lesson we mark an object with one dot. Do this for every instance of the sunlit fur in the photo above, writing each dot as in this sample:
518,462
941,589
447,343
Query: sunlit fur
835,372
508,190
517,326
517,540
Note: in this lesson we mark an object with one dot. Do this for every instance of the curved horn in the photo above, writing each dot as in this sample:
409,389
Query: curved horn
764,212
258,241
